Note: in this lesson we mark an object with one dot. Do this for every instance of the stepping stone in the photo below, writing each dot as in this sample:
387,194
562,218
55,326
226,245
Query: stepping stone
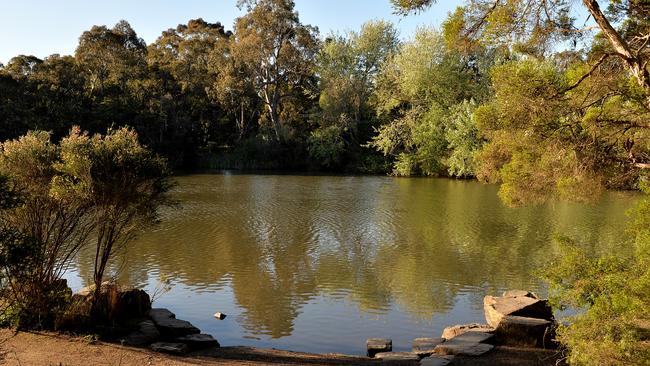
527,332
436,361
463,348
376,345
497,307
473,337
397,356
466,344
198,341
172,348
425,346
147,333
456,330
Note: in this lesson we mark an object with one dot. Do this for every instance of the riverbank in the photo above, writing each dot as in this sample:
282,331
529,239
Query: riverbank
23,348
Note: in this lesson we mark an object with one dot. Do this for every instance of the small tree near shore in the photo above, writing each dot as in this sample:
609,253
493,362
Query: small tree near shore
122,181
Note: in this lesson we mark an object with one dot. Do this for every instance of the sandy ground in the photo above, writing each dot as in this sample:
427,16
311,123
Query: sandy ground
53,349
50,349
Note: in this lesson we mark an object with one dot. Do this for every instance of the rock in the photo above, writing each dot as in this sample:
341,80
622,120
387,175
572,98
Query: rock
160,314
88,290
425,346
463,348
456,330
397,356
132,303
526,332
173,348
147,333
497,307
169,326
117,303
474,337
198,341
466,344
436,361
376,345
220,316
524,293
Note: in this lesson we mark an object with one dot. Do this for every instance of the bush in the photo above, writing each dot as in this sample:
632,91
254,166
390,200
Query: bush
53,197
612,296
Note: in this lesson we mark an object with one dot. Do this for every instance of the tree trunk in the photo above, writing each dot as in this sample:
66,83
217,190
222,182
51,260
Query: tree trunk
635,64
272,103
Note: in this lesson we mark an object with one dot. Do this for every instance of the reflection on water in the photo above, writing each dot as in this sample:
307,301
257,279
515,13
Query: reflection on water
319,263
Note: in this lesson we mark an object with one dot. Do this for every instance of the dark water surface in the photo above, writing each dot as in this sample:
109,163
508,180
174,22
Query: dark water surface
320,263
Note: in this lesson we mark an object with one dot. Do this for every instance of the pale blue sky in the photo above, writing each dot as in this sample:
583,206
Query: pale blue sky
44,27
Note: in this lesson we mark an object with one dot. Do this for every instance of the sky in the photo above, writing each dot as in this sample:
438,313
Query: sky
44,27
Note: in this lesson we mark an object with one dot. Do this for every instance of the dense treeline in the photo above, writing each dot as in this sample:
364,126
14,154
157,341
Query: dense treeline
483,97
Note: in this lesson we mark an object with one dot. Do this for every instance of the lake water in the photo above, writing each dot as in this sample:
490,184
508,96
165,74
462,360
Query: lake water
320,263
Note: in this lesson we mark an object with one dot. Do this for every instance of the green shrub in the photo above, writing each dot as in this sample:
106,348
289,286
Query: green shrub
612,297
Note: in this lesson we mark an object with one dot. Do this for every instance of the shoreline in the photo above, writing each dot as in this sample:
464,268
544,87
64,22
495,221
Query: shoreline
47,348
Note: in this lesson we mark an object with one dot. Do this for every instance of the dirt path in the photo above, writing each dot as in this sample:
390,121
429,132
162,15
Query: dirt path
53,349
49,349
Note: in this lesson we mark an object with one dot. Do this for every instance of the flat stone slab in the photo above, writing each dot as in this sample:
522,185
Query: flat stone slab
397,356
463,348
456,330
425,346
436,361
172,348
169,326
376,345
147,333
527,332
198,341
159,314
496,308
473,337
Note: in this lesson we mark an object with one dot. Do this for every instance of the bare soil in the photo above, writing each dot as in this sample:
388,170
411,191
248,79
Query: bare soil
51,349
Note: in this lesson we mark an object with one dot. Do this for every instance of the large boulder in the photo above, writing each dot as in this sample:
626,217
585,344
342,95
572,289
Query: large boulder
497,307
526,332
117,302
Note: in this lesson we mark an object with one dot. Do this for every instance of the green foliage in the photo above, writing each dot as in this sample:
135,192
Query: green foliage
54,197
122,182
27,300
424,92
612,294
326,146
348,68
463,140
277,53
42,230
551,143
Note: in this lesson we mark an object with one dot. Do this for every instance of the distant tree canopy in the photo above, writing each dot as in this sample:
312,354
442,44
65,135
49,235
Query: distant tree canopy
512,92
563,122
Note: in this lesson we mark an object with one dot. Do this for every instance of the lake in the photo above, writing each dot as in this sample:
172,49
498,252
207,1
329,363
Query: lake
320,263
